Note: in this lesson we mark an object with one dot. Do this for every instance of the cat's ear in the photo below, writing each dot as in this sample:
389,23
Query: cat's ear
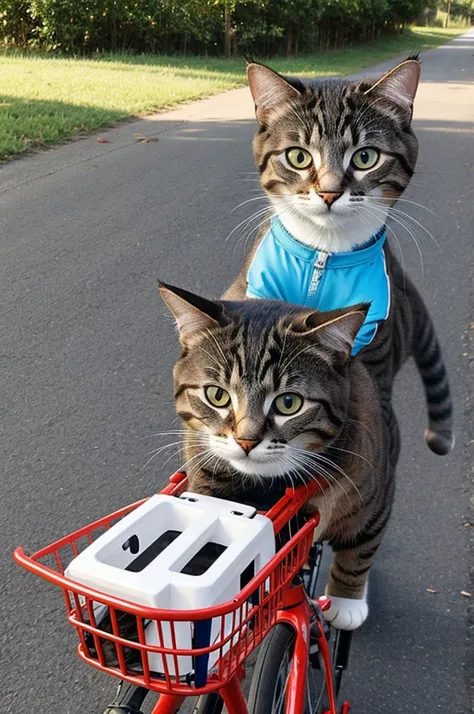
269,90
191,312
399,85
336,330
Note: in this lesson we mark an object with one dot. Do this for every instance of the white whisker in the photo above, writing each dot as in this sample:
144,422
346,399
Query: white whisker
411,218
293,356
313,463
212,336
249,200
156,453
318,458
164,433
403,200
402,258
299,465
354,453
255,215
331,463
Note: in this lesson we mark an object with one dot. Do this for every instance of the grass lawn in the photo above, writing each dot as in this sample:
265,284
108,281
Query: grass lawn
45,99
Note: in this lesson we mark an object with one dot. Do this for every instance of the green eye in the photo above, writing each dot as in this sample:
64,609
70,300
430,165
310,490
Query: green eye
217,396
364,159
288,404
299,158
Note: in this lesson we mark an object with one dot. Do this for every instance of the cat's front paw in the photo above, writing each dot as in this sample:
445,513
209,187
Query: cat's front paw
346,613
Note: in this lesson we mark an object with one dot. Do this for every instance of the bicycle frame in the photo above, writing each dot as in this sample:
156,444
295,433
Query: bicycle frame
298,616
297,613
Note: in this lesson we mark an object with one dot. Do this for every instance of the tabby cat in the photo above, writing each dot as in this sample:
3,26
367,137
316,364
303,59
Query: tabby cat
334,156
271,398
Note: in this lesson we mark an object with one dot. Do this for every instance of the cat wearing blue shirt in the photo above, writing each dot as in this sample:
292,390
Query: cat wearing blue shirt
333,157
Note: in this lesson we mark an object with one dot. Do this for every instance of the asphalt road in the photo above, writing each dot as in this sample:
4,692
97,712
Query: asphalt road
87,351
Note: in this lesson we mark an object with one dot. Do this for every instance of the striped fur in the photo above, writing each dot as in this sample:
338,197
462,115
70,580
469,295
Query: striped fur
409,332
344,433
331,120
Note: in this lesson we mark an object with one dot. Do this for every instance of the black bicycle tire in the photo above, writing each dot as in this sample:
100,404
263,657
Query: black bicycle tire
130,699
275,646
271,653
209,704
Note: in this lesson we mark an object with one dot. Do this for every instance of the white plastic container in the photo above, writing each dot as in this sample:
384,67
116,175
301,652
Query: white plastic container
149,556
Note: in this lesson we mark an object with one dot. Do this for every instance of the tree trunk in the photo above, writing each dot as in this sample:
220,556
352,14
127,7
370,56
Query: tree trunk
289,39
23,33
448,12
227,30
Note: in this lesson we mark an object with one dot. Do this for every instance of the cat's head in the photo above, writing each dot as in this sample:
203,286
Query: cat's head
334,155
261,383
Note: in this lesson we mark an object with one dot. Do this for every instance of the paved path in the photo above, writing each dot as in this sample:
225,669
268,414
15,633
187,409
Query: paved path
87,350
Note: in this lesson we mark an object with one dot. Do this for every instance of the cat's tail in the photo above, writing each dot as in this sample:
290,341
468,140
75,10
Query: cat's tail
439,435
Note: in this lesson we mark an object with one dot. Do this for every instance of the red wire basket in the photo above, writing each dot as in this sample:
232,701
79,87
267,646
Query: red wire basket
118,641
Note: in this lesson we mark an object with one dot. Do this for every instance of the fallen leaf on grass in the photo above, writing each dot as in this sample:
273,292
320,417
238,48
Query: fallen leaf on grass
102,141
142,139
431,590
464,593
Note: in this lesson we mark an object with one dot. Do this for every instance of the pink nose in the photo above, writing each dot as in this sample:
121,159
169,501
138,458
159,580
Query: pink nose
329,198
248,444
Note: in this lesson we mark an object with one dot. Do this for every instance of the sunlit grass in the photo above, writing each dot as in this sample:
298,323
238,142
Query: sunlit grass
454,23
46,98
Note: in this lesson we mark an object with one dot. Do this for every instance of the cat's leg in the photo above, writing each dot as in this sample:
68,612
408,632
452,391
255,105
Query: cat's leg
347,585
349,608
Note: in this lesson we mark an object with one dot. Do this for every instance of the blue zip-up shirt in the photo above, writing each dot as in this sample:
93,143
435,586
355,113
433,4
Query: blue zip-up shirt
285,269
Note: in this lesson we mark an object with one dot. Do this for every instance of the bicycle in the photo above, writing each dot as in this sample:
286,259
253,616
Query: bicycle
295,671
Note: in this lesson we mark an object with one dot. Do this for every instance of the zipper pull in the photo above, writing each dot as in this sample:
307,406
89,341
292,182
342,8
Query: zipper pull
318,270
322,260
